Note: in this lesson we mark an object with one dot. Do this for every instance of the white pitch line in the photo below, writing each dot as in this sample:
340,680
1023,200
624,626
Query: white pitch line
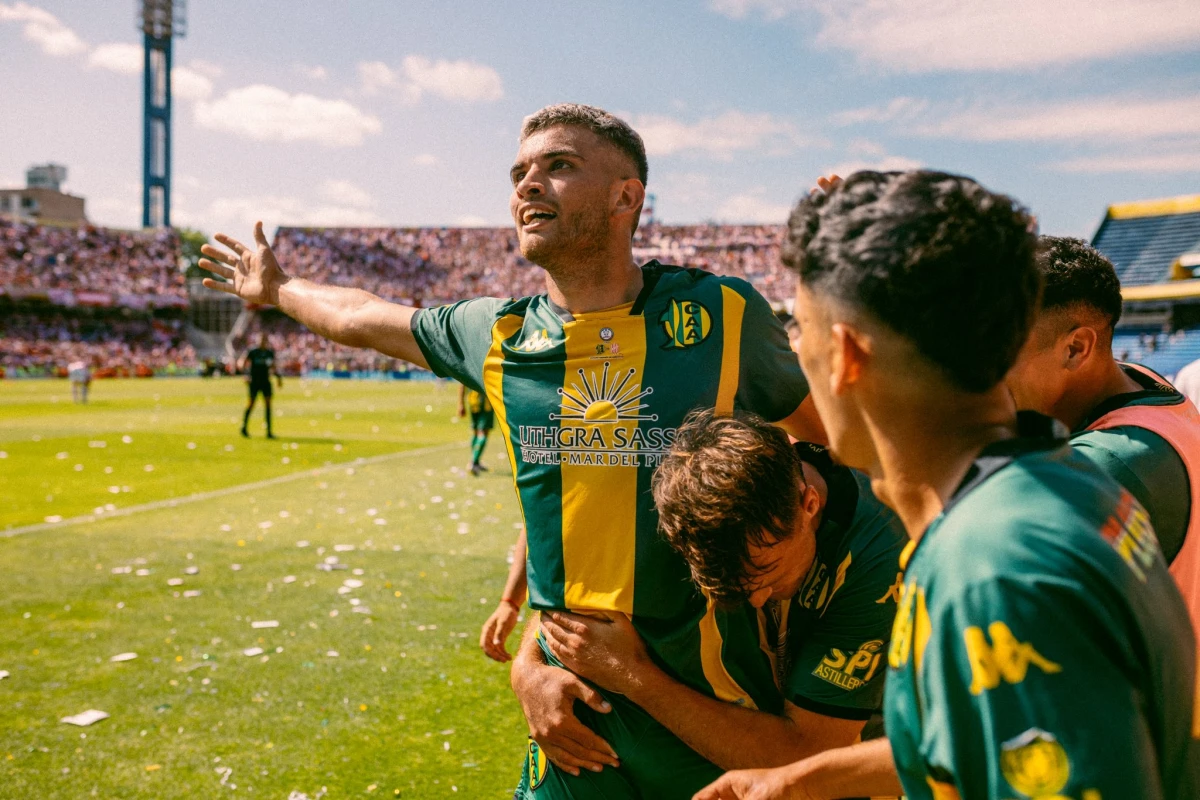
244,487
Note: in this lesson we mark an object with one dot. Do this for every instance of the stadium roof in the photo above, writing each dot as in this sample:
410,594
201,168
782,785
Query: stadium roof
1148,240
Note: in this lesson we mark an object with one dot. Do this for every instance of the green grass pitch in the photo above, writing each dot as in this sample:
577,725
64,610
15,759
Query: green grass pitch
371,684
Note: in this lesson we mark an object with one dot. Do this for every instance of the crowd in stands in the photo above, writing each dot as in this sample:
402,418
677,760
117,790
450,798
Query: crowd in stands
299,351
44,344
89,259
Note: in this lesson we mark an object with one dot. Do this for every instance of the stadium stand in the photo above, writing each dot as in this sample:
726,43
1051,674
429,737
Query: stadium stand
1154,245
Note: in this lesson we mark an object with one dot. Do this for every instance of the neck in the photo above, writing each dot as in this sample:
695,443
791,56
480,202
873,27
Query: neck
596,281
922,459
1092,389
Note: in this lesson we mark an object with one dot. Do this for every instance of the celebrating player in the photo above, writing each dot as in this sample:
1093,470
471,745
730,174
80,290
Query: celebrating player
260,365
789,540
482,420
1040,647
589,382
1128,420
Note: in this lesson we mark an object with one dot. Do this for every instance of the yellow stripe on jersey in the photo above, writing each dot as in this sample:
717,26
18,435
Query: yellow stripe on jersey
493,386
921,630
602,381
722,683
733,306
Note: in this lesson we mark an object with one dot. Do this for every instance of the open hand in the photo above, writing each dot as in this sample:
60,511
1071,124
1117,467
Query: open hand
548,696
606,650
754,784
253,275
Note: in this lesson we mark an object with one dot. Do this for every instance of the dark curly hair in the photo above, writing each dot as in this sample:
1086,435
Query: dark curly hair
934,256
727,483
1075,274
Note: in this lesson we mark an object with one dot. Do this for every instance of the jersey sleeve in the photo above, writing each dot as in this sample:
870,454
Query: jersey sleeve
840,667
456,338
1150,469
770,382
1025,692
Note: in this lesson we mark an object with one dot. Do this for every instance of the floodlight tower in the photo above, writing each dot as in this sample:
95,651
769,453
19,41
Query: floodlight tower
160,21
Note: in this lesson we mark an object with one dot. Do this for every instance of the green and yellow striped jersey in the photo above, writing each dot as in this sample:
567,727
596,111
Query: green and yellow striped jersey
588,405
477,402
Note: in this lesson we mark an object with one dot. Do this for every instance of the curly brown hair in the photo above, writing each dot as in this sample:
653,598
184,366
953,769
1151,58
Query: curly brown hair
727,484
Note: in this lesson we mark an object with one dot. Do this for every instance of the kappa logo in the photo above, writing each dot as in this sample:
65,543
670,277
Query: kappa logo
1006,658
536,342
686,322
893,592
841,667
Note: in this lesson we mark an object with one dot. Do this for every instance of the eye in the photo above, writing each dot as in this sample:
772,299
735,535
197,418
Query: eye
560,164
517,177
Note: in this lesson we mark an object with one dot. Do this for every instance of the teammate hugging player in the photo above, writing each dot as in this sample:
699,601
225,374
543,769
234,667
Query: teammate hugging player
260,364
589,382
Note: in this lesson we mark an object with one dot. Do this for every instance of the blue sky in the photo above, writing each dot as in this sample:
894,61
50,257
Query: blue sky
407,113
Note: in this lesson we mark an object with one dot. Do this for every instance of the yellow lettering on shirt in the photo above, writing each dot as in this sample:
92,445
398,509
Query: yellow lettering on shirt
1005,658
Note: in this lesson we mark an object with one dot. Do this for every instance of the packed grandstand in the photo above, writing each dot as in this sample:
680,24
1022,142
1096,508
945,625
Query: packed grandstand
120,300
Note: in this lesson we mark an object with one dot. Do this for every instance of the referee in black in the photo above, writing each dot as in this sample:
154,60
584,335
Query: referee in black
261,365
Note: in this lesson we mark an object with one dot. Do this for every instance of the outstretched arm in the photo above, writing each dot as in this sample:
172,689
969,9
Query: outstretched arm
347,316
860,770
610,653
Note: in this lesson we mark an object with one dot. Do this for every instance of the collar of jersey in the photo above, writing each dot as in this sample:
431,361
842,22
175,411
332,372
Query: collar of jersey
1161,394
651,272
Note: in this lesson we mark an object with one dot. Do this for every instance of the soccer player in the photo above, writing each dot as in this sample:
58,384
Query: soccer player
790,543
1040,648
1125,418
482,420
260,366
589,382
80,375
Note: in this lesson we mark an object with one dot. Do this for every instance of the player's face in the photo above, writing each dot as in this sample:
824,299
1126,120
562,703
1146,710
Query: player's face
1037,379
849,436
784,564
563,180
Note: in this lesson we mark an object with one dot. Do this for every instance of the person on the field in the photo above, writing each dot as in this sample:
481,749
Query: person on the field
589,382
503,620
482,420
1128,420
80,375
779,534
1040,648
259,365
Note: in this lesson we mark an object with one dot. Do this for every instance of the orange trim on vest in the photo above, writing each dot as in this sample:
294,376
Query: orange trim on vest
1179,424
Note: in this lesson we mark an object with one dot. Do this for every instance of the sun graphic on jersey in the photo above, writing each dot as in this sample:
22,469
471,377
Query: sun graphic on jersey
605,398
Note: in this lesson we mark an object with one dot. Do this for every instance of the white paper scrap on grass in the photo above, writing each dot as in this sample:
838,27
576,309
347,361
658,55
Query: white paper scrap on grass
265,623
123,657
3,674
252,651
86,718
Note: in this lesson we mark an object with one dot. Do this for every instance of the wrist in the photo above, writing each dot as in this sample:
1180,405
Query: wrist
507,600
646,682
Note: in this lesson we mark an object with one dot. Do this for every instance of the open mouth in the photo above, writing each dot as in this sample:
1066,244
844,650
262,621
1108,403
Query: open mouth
535,216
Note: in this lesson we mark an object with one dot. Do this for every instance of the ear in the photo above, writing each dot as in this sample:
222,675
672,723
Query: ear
851,353
630,195
1079,345
811,502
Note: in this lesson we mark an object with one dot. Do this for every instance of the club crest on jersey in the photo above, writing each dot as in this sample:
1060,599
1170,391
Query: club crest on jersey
1035,764
686,322
536,765
606,334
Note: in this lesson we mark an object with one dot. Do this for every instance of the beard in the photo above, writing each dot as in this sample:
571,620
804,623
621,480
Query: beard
571,242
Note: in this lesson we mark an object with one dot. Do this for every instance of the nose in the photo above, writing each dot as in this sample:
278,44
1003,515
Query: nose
530,185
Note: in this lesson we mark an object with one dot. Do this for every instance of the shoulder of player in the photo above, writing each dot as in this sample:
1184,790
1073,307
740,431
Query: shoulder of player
1130,444
703,285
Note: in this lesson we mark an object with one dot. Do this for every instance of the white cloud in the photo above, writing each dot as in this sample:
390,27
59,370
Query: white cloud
188,84
1186,161
237,215
426,160
885,164
266,113
206,68
453,80
118,57
465,81
43,29
930,35
720,136
752,207
1097,118
345,193
472,221
899,108
317,73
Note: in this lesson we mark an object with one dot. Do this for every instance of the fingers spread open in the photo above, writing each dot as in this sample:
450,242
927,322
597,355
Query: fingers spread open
259,236
231,243
227,288
216,268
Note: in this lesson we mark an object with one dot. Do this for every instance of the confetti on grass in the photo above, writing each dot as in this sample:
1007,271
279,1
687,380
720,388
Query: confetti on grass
123,657
86,718
265,623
